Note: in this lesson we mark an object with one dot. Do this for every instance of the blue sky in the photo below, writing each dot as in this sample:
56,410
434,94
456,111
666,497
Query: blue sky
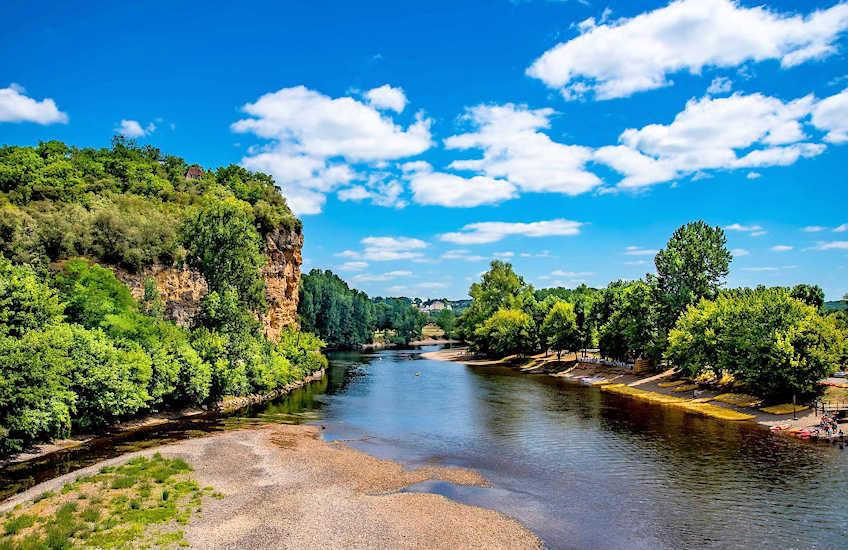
419,141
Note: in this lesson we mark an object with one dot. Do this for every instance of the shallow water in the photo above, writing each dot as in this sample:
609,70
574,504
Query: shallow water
581,468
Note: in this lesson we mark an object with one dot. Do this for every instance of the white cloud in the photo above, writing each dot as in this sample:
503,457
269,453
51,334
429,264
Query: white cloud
831,115
506,254
745,228
781,248
707,134
761,269
352,266
637,262
134,129
442,189
312,139
490,232
463,254
432,285
832,245
813,228
753,175
720,85
382,249
379,191
387,97
842,228
640,53
571,274
514,149
16,106
388,276
639,251
739,252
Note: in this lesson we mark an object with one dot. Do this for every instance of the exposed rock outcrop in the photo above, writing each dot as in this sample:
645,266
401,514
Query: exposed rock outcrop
182,289
282,277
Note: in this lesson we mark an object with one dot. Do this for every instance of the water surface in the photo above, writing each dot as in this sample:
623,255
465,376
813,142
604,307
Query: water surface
581,468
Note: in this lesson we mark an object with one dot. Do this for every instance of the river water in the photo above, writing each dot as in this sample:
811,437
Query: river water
581,468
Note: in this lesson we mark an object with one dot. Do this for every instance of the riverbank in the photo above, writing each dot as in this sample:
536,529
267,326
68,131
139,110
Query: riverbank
659,388
224,406
282,486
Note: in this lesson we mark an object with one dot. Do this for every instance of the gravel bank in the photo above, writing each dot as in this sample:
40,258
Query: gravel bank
284,487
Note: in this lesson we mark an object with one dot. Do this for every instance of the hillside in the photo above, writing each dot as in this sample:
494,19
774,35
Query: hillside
132,281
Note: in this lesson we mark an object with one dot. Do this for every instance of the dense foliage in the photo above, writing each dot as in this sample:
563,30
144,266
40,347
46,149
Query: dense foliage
124,205
763,337
346,318
77,350
774,340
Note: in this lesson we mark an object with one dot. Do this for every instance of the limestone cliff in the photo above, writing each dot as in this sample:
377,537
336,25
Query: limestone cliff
282,278
182,289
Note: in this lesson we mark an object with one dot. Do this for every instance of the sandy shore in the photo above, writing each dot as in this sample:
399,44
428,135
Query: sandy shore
547,365
284,487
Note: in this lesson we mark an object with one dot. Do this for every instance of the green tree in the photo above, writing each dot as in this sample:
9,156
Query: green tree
222,243
812,295
775,344
628,330
507,332
693,265
446,320
559,328
26,303
498,288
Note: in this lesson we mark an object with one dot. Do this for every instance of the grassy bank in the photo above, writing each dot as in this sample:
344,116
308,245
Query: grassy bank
142,503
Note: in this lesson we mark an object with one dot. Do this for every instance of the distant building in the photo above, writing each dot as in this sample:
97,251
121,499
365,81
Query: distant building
194,172
435,306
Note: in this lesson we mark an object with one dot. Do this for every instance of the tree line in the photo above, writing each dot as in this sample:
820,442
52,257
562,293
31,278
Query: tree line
346,318
778,341
77,351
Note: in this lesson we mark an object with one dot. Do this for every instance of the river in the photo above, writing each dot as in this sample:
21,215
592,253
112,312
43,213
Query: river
581,468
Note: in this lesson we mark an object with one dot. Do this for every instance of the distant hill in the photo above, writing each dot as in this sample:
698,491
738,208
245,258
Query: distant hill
835,305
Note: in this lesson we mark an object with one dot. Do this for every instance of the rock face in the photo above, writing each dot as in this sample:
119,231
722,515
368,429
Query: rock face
282,277
182,289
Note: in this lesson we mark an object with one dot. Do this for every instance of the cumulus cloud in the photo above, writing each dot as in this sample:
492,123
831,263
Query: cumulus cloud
753,230
639,251
813,228
443,189
463,254
640,53
490,232
388,276
739,252
708,134
134,129
516,150
832,245
380,189
831,115
720,85
314,139
781,248
387,97
352,266
841,228
16,106
382,249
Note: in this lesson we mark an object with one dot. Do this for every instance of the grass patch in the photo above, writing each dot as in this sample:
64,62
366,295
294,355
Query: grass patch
116,508
786,408
739,399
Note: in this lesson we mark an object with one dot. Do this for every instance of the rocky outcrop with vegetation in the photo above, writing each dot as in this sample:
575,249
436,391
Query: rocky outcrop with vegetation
131,282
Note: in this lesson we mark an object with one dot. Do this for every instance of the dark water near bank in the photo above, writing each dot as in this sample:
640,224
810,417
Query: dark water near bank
581,468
